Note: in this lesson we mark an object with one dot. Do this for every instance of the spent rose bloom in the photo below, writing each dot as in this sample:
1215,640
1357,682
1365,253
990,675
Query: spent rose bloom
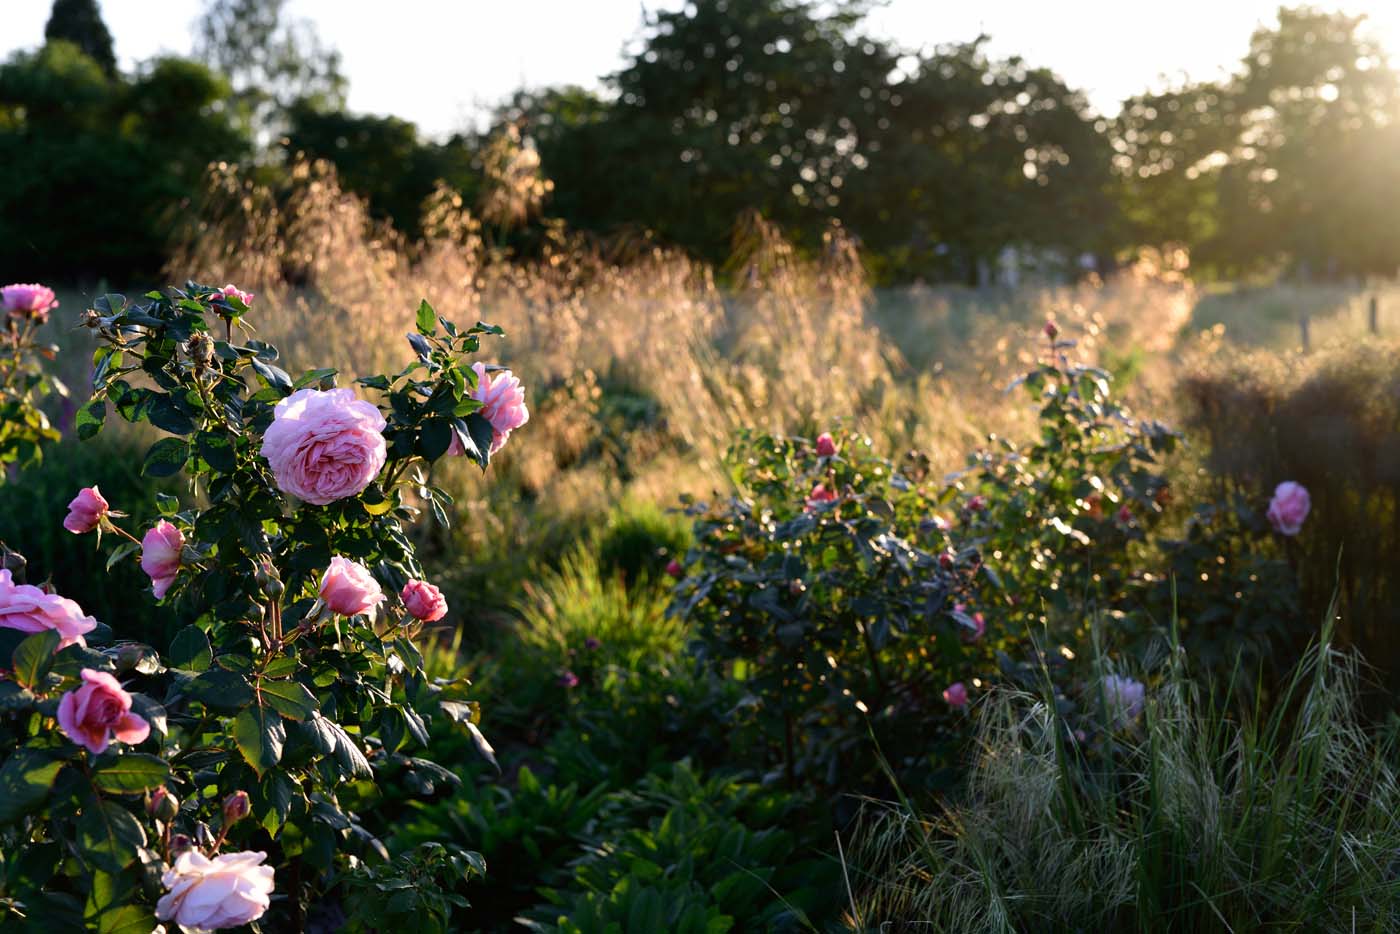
826,445
1124,697
209,894
160,555
86,510
324,445
502,401
348,588
29,609
423,601
955,694
1289,507
233,291
95,713
28,300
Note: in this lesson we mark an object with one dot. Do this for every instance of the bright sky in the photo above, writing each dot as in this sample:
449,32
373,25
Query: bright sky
441,63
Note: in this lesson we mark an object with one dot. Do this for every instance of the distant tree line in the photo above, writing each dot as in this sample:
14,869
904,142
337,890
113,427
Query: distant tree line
937,160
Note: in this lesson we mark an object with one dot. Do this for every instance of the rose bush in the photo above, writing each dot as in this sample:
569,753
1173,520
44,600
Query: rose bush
24,428
214,783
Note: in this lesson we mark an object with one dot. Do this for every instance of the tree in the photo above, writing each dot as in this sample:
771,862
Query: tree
80,22
273,63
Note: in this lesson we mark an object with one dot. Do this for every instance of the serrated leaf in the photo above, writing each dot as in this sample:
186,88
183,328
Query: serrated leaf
218,452
165,458
190,650
459,711
90,418
25,781
33,657
351,759
273,377
260,736
427,319
289,698
121,552
132,773
482,746
108,836
220,689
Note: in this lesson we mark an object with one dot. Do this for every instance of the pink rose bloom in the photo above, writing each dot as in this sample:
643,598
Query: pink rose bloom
160,555
977,503
820,494
955,694
29,609
674,569
99,711
1125,514
28,300
209,894
324,446
349,589
1289,507
826,446
86,510
502,401
423,601
233,291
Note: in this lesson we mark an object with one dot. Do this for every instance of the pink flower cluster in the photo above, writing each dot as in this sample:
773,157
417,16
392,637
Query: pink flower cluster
98,712
28,301
29,609
324,446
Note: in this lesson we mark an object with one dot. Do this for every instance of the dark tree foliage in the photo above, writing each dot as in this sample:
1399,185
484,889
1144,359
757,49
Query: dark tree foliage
80,22
92,163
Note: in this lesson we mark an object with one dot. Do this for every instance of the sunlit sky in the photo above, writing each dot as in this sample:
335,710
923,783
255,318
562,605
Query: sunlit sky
442,63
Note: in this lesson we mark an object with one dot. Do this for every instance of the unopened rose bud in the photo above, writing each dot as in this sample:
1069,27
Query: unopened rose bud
180,843
268,579
1051,330
945,561
236,807
977,503
1125,515
826,445
163,805
675,570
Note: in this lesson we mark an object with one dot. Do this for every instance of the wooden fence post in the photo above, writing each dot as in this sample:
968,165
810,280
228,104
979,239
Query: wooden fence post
1375,315
1303,327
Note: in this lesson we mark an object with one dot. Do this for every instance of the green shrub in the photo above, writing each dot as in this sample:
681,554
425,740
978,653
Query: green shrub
686,854
1185,820
639,540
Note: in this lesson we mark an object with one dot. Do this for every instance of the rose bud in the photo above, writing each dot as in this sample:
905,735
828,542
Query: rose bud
236,807
163,805
675,570
826,446
1051,330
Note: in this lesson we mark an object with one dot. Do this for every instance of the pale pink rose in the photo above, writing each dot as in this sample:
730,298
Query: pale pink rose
955,694
423,601
160,555
98,711
206,894
86,510
820,494
1124,697
502,401
324,446
826,445
28,300
348,588
1289,507
29,609
233,291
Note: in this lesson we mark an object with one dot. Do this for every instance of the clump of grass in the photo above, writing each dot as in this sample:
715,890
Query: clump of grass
1193,820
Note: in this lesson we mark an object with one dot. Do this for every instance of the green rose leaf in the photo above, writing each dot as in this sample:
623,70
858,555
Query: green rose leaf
34,657
260,736
220,689
109,835
131,774
427,319
166,458
190,650
25,781
289,698
89,418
